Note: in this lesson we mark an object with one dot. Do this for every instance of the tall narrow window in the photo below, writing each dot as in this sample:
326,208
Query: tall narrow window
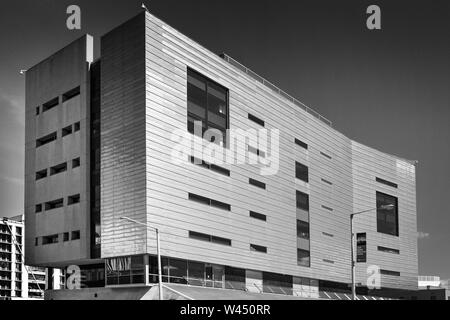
208,103
387,214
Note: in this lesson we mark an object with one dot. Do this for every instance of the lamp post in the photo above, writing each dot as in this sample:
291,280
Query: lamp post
157,250
386,207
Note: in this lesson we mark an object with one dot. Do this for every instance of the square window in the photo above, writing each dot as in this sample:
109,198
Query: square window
301,172
75,235
303,258
66,237
302,201
66,131
75,163
38,208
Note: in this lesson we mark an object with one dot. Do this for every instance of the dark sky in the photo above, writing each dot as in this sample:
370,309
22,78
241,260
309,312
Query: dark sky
389,89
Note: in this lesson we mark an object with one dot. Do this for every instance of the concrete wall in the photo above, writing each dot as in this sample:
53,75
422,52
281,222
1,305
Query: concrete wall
51,78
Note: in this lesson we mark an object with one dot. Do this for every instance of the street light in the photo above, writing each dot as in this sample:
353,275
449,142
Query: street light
383,207
157,250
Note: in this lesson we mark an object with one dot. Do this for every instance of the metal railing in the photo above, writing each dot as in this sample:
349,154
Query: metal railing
273,87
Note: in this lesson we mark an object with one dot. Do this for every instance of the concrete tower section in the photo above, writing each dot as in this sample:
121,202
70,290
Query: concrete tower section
57,163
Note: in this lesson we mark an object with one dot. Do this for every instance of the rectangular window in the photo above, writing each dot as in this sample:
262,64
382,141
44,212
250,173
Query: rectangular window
209,202
390,273
71,94
209,238
388,250
220,170
58,169
200,199
328,261
222,241
38,110
256,120
50,105
301,172
75,235
303,258
47,139
41,174
256,248
302,201
208,103
325,155
257,183
301,144
50,239
326,234
220,205
302,229
73,199
388,183
66,237
75,163
199,236
66,131
54,204
76,127
256,151
258,216
211,167
38,208
387,214
36,242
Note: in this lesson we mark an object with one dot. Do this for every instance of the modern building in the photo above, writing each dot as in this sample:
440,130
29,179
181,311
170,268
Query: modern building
17,281
103,139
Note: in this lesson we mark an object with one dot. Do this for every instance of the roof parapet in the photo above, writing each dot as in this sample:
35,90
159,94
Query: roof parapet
270,85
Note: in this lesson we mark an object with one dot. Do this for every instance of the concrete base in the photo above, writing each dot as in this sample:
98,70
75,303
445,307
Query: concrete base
126,293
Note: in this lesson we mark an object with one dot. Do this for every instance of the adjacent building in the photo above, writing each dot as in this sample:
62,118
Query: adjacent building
17,281
102,139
